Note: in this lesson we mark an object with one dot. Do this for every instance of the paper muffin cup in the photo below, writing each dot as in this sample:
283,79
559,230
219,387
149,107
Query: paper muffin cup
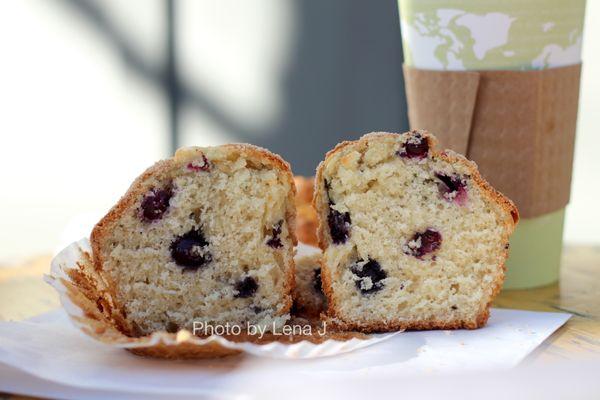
80,288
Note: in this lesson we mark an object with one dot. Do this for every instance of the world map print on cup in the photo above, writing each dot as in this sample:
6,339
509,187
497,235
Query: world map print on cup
491,34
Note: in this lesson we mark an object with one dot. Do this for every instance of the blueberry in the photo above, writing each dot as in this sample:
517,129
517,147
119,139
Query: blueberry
452,188
156,203
317,280
197,165
275,241
371,276
416,146
339,225
246,287
423,243
172,327
190,250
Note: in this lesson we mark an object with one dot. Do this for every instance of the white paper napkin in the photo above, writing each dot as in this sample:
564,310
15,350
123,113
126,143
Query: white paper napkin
50,349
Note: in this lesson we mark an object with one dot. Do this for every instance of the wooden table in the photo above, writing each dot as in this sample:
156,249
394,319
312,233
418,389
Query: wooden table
23,294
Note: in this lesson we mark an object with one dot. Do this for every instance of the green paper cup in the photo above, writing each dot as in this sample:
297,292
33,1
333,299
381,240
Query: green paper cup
467,35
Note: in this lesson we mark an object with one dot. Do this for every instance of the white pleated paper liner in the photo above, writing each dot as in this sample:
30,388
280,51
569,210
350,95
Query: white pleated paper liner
79,287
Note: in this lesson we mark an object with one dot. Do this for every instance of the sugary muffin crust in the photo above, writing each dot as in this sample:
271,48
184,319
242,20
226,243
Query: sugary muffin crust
306,227
413,238
205,236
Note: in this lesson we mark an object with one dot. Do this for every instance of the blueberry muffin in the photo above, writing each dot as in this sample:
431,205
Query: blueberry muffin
205,236
306,225
309,300
412,238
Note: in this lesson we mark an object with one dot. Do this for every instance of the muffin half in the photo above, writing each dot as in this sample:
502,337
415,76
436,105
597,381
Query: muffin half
206,236
412,238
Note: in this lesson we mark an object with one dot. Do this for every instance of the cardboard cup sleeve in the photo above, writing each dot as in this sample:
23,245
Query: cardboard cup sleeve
518,126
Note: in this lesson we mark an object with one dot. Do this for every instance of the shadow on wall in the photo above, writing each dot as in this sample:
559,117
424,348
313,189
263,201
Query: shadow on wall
344,78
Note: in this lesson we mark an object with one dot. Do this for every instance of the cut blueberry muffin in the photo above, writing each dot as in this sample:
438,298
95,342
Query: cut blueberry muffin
308,294
412,238
206,236
306,221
